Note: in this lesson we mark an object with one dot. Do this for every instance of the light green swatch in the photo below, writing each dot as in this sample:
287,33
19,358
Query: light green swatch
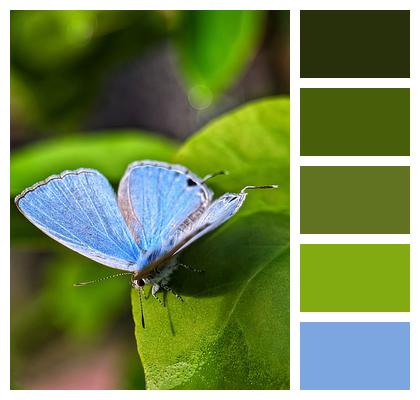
355,277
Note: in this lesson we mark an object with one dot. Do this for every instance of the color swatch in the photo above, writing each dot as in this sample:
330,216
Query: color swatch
355,122
355,200
355,277
355,44
355,355
368,118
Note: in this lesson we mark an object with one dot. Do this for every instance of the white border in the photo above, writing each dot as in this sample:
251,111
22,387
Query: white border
4,205
354,82
355,239
354,160
413,315
294,5
294,200
296,83
354,316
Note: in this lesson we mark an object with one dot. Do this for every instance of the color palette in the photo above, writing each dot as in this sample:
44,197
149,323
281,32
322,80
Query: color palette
355,199
355,355
355,44
355,122
351,184
355,277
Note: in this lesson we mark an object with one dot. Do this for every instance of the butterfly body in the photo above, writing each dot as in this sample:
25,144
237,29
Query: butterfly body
159,210
158,278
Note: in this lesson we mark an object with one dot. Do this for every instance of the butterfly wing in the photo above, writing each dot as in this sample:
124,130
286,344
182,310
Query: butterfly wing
159,200
215,215
79,209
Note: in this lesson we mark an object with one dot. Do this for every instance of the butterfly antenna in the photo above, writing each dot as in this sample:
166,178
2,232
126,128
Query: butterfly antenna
141,308
207,177
259,187
80,284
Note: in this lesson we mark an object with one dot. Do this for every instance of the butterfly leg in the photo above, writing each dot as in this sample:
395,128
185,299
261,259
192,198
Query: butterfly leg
191,268
168,289
155,289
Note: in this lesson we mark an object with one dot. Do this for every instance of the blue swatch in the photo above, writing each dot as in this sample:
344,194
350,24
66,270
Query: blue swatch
355,355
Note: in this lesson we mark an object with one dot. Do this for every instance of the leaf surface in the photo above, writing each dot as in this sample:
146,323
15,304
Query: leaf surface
215,47
252,144
232,331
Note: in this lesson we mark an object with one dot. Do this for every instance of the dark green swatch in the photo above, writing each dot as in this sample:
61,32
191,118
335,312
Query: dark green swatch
355,277
355,44
355,122
355,200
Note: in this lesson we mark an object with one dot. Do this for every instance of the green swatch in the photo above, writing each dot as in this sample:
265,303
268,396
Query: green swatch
355,277
355,200
355,44
355,122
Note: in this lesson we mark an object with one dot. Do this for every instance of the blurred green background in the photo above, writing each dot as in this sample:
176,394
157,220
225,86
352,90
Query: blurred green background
101,89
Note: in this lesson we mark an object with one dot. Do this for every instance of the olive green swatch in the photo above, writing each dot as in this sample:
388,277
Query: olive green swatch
355,200
355,122
355,277
355,44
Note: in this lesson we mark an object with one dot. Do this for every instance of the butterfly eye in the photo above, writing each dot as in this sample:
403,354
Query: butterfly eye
233,198
137,283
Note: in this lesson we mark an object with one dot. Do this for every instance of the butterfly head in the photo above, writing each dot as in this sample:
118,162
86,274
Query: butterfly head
137,283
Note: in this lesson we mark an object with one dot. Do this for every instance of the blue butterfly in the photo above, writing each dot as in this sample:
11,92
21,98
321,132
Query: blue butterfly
160,210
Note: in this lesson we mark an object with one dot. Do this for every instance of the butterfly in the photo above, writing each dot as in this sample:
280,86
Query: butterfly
159,210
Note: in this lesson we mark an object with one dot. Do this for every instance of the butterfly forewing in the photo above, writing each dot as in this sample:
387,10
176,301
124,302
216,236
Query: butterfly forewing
158,200
79,209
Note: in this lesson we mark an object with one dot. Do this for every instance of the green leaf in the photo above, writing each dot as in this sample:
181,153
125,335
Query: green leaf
252,144
214,48
109,152
232,331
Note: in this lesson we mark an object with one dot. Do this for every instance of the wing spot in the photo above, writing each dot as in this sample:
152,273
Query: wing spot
190,182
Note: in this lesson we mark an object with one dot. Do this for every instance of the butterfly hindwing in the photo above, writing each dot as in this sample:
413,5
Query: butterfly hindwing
215,215
79,209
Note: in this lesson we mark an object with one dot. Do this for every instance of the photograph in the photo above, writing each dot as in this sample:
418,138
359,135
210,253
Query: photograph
149,199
